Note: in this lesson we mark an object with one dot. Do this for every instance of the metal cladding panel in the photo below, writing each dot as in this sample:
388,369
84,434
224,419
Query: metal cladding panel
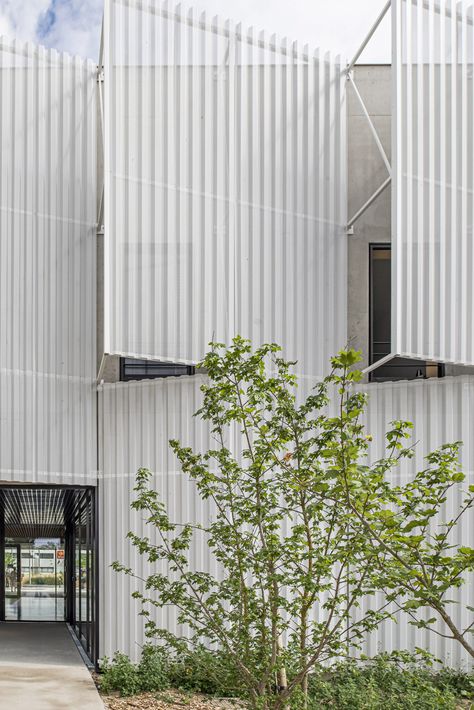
442,411
433,158
225,188
138,419
47,265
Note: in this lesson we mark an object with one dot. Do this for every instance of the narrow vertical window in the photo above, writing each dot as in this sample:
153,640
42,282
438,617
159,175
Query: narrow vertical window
380,306
380,302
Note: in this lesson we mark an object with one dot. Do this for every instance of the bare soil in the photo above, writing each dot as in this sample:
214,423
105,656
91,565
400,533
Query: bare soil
169,700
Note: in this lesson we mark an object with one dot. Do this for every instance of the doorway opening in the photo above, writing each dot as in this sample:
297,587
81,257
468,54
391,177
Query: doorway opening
48,558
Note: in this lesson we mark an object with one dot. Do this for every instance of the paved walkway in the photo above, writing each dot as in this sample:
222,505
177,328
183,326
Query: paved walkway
41,669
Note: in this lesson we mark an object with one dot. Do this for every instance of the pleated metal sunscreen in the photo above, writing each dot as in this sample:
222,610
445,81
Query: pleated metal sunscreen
225,188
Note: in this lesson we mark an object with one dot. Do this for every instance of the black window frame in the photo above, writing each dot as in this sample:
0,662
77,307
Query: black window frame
392,370
153,370
374,247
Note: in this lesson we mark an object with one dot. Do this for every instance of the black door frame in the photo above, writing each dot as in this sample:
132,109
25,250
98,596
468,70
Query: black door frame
83,538
90,495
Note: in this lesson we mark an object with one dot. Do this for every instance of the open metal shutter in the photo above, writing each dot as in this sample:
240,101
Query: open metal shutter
433,163
225,188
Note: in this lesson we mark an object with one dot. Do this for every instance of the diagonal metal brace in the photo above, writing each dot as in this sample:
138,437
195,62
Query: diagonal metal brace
367,204
371,124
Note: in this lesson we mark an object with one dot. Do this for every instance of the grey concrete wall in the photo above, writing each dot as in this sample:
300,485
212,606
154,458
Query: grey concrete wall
367,172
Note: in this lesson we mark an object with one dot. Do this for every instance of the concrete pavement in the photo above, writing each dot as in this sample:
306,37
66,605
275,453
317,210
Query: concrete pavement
41,669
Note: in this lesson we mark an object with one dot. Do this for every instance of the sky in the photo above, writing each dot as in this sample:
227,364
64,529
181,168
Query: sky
335,25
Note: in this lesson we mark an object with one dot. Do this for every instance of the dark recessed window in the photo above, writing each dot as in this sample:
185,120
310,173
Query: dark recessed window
380,295
131,369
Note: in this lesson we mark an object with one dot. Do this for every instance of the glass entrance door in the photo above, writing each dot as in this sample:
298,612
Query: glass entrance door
34,580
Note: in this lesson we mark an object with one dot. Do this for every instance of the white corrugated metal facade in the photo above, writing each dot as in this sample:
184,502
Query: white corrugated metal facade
225,206
225,188
47,265
432,199
137,421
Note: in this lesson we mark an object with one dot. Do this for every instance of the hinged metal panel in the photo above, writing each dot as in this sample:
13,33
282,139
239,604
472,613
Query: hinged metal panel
47,265
225,188
433,158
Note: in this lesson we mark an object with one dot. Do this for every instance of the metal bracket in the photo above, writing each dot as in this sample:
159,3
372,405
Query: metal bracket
382,361
100,216
100,374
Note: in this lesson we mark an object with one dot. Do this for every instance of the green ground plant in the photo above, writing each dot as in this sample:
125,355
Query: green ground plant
386,681
119,674
398,681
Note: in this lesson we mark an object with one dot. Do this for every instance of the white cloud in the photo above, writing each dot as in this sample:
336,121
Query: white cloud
69,25
19,18
336,25
76,27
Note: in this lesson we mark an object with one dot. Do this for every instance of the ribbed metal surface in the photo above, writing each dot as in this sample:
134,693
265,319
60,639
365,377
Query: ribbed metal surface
136,422
47,264
225,188
433,157
442,411
138,419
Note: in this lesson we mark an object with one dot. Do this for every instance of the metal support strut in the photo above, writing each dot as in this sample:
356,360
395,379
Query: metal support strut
373,130
369,36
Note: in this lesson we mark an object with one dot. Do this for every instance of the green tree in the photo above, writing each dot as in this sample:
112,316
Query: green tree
302,525
420,563
294,569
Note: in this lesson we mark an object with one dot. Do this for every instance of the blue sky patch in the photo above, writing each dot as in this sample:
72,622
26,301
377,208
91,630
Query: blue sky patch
46,21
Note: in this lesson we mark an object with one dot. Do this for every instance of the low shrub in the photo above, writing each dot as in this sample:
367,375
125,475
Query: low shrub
204,671
42,579
384,682
397,681
458,682
153,669
119,674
